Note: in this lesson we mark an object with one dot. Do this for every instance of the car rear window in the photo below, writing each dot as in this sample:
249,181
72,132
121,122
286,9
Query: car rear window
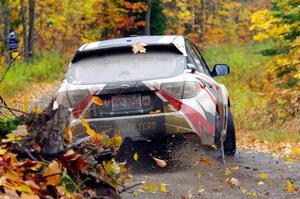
120,65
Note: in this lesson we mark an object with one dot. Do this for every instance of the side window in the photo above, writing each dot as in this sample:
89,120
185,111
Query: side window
194,57
203,63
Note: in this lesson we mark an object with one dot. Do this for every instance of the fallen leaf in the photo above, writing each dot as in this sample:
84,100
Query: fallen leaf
290,187
188,195
163,187
243,190
260,183
152,187
253,193
214,146
68,135
264,175
52,173
29,196
25,104
36,109
201,189
206,160
233,181
97,100
159,162
11,194
3,151
198,175
135,156
155,112
139,47
20,131
35,147
23,188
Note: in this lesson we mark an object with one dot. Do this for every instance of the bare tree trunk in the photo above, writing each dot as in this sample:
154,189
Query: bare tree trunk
148,19
31,27
24,23
6,24
201,22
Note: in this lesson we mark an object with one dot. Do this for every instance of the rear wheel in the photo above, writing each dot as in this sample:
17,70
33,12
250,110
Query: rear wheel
230,142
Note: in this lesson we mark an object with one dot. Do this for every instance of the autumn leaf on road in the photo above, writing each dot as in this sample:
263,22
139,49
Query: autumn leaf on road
206,160
290,187
163,187
233,181
264,175
159,162
139,47
117,140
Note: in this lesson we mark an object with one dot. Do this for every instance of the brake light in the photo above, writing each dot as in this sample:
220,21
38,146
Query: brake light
176,103
191,89
181,90
175,89
79,99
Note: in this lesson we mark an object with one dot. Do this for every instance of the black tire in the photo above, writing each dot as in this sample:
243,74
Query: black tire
230,142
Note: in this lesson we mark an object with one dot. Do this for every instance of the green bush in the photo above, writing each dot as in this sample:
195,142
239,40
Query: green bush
47,68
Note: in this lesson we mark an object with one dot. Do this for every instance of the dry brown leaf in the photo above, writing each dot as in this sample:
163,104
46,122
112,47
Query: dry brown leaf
52,173
68,135
11,194
233,181
20,131
29,196
159,162
188,195
139,47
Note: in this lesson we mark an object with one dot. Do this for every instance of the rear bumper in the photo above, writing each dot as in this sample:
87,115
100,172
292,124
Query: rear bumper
137,127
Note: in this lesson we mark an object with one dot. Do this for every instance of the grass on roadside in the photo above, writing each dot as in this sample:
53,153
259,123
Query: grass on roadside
22,75
249,108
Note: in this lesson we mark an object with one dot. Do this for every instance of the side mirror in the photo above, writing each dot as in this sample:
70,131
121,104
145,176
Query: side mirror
192,67
220,70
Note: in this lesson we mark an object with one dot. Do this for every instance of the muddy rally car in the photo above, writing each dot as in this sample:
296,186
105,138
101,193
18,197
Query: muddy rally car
162,88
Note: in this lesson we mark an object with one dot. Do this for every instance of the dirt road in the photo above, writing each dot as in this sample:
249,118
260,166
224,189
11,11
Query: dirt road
257,174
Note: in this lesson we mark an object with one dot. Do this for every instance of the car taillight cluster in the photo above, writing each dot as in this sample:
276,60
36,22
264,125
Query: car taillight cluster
174,91
181,90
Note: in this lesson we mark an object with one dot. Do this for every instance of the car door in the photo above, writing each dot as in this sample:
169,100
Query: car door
207,101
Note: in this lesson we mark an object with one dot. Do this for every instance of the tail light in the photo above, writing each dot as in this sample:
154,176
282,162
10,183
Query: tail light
77,96
191,89
174,89
181,90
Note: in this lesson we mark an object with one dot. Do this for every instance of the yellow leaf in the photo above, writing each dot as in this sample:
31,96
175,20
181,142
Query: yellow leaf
135,156
68,135
201,189
163,187
260,183
155,112
290,187
214,146
12,175
23,188
36,109
117,140
253,193
152,187
264,175
98,101
2,151
243,190
25,104
295,151
88,129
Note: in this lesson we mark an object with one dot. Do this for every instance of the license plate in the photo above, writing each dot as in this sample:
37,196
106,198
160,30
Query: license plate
126,102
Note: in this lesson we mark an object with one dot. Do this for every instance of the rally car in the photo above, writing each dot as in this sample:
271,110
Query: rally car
162,88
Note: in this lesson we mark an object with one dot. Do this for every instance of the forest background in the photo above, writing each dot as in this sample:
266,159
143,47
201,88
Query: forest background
258,39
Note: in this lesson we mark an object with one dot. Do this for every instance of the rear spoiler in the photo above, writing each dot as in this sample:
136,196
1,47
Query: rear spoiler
127,49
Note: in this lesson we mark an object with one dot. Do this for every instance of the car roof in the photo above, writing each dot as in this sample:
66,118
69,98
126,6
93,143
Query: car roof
177,41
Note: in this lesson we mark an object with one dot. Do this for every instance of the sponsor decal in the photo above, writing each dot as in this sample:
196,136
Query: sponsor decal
146,100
